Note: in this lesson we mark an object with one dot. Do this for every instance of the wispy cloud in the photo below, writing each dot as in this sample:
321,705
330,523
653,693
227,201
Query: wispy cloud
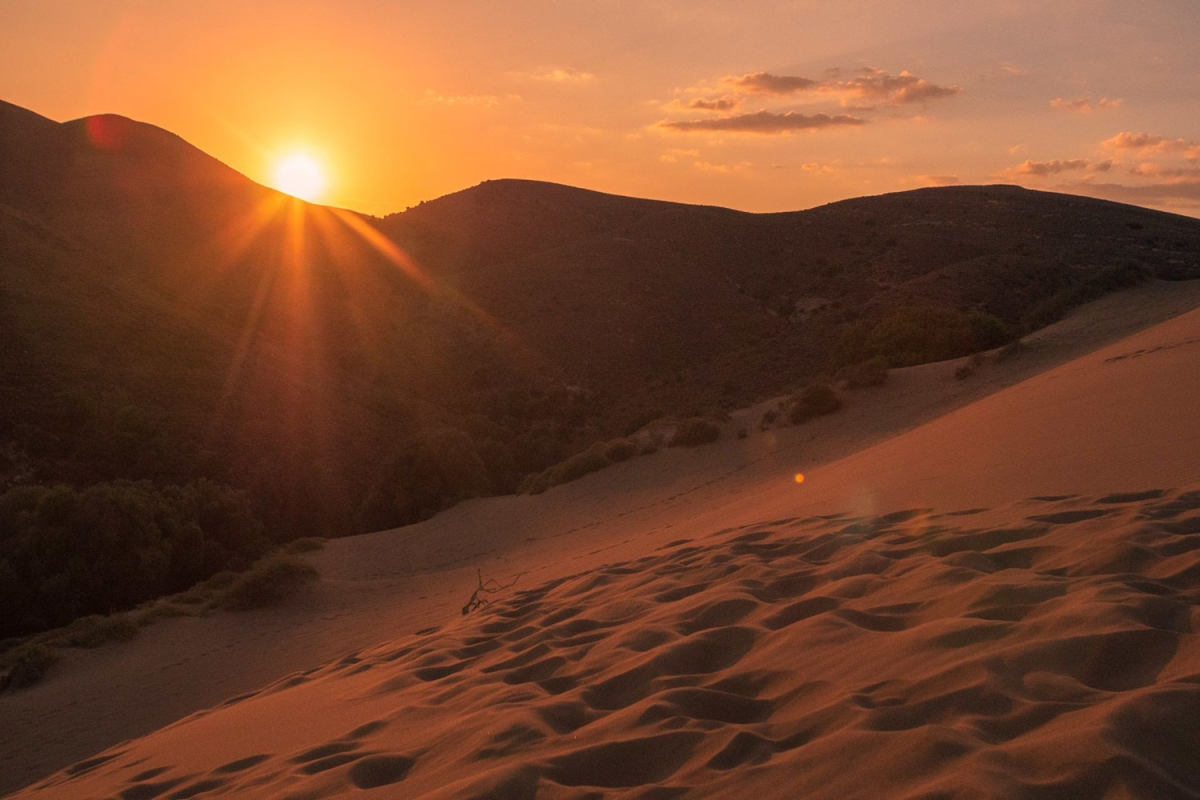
714,104
937,180
1086,105
766,83
870,83
762,122
477,100
560,75
1058,166
1147,143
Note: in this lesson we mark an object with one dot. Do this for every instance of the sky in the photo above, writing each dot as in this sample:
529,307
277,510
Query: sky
750,104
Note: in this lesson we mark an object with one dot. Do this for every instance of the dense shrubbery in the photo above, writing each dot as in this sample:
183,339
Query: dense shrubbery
1108,280
816,400
695,431
66,553
917,335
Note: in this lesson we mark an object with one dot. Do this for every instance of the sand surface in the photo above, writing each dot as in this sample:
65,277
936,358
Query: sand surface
852,634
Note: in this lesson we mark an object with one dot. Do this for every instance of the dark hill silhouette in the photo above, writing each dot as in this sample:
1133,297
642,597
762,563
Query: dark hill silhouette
167,319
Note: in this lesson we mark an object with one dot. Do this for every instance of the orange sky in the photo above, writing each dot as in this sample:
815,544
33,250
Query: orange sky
756,105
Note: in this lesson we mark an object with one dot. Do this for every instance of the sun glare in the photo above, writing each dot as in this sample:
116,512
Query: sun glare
300,175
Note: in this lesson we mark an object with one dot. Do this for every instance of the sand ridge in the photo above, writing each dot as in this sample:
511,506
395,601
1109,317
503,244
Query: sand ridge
1054,655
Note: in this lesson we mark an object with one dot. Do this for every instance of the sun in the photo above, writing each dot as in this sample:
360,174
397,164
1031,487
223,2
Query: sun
300,175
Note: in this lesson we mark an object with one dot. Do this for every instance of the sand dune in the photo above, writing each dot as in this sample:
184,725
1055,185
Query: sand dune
911,654
996,603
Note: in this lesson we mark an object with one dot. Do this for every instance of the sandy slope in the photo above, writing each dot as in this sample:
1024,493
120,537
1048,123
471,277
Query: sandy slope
984,655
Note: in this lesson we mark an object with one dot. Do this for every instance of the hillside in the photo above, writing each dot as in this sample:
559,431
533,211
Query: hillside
168,320
980,590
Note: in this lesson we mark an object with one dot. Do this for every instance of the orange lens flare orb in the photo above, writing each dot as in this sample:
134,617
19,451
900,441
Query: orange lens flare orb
300,175
799,477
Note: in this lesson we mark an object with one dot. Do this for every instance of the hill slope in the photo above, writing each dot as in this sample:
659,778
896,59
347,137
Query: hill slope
998,603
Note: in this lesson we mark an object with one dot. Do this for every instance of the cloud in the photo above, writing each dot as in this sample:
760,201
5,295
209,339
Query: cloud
876,84
766,83
706,166
1056,167
561,75
674,154
1167,194
1148,143
1152,170
1041,168
478,100
715,104
1085,105
762,122
937,180
869,83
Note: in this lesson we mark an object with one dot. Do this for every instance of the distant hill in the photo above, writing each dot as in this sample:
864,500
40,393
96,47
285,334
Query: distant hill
166,319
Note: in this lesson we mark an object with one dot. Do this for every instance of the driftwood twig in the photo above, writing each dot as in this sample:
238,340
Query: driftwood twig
490,586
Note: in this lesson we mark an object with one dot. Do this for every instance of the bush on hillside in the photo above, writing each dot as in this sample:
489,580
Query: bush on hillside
95,630
872,372
921,334
620,450
816,400
267,583
693,432
66,553
30,666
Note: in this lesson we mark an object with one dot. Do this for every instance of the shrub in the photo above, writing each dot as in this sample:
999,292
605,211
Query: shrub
30,666
268,582
1010,350
578,465
873,372
620,450
769,418
694,431
308,544
816,400
93,631
67,553
920,334
742,433
968,369
161,610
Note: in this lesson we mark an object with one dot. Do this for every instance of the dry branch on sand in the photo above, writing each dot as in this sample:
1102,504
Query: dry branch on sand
488,587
